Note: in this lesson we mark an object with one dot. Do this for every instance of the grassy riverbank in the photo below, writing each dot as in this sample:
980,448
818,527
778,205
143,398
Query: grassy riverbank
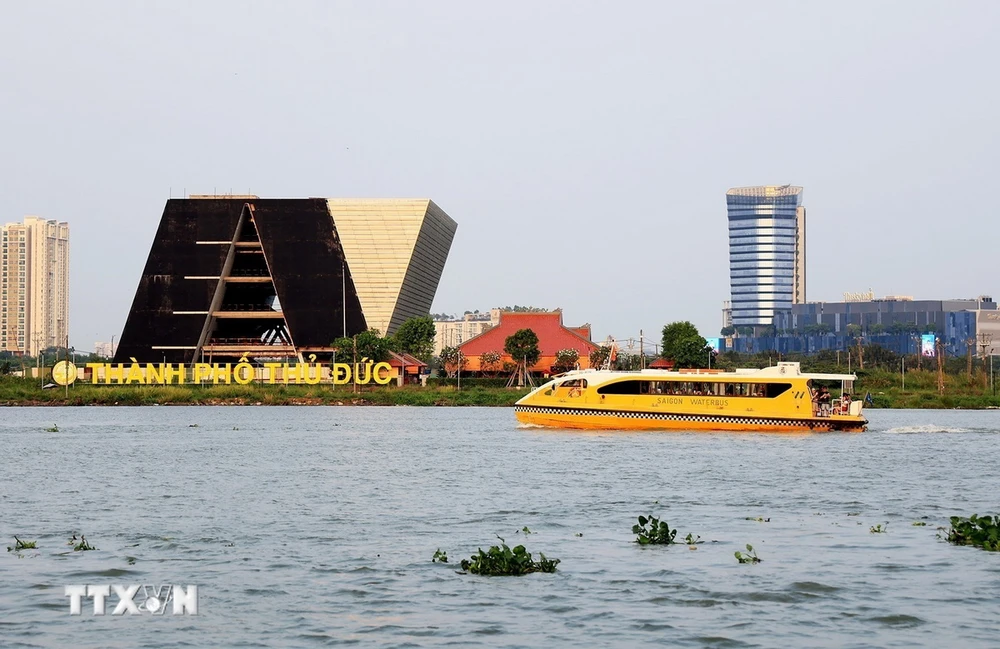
886,388
919,389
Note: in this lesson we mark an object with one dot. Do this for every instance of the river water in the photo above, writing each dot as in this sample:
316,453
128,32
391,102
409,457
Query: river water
314,526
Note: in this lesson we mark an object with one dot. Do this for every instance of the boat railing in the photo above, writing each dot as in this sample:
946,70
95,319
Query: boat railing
839,406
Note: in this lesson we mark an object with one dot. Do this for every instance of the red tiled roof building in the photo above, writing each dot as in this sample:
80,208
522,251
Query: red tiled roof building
552,337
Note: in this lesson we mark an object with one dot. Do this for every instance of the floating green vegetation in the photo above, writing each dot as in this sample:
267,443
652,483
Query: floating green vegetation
525,530
82,545
759,519
502,560
653,531
440,556
578,534
21,545
749,557
692,539
980,531
53,429
879,529
918,524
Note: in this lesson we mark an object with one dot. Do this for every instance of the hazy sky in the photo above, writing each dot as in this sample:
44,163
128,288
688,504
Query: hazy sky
583,148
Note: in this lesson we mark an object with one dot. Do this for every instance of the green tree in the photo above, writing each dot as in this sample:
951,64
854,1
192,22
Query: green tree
452,360
490,363
566,360
599,355
727,331
674,333
416,337
684,345
367,344
522,346
692,352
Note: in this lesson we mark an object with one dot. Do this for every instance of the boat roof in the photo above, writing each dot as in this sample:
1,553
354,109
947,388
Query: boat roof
783,370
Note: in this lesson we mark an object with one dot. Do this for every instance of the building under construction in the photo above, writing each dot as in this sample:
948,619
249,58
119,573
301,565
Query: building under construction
232,276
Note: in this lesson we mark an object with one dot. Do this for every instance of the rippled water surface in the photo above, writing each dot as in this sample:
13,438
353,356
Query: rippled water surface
313,526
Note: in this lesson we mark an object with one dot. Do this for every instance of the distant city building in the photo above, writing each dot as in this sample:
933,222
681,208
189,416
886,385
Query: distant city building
727,314
452,333
34,285
266,278
106,350
767,252
894,322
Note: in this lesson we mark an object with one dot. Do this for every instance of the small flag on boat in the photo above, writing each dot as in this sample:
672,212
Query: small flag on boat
869,400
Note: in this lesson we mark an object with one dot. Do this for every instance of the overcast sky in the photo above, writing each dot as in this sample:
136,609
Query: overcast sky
583,148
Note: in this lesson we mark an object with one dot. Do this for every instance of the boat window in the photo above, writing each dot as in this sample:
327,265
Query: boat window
775,389
691,388
623,387
574,383
759,390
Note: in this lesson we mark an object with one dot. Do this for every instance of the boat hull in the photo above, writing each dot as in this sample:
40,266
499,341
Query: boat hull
608,419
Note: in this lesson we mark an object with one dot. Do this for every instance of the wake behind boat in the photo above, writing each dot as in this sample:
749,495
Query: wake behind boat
778,399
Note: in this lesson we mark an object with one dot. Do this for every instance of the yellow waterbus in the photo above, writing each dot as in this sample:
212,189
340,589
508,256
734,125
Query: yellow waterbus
777,399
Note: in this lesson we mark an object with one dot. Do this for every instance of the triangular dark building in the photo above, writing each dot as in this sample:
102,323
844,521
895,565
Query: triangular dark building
229,276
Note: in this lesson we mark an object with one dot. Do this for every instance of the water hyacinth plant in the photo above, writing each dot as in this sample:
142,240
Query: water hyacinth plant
82,545
979,531
439,556
21,545
653,531
749,557
503,561
879,529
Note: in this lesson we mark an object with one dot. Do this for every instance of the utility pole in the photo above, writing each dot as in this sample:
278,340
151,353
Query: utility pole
985,340
343,291
39,338
969,345
68,363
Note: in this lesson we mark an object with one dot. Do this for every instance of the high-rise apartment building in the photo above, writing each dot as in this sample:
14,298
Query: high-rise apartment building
34,285
452,333
767,252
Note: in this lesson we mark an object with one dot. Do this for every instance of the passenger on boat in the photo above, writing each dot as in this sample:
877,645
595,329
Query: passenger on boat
824,401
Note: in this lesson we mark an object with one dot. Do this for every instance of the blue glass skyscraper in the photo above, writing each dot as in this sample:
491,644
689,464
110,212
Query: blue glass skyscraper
767,255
